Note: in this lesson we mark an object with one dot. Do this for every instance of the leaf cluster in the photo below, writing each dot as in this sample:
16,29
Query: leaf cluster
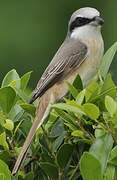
77,141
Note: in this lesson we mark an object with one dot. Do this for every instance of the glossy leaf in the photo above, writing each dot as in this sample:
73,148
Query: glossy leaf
2,118
113,156
101,149
7,97
68,119
107,60
25,79
4,171
23,96
64,154
110,105
3,141
51,119
78,133
91,90
29,108
50,169
57,129
58,141
80,97
108,87
90,167
68,107
15,111
99,132
5,156
9,125
78,84
46,155
72,90
91,110
12,78
110,173
29,176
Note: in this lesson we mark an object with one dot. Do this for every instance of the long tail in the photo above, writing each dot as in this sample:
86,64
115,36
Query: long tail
42,113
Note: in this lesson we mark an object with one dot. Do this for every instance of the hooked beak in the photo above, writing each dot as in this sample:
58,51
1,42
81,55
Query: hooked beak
98,20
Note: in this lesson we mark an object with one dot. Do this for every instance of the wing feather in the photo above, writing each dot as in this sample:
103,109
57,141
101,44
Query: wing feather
69,56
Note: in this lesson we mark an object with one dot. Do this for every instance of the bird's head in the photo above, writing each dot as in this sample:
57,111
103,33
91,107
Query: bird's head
83,21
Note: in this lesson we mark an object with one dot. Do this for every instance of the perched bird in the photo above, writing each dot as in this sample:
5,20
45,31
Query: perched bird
80,53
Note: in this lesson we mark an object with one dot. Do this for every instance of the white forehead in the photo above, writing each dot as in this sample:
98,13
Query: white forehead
87,12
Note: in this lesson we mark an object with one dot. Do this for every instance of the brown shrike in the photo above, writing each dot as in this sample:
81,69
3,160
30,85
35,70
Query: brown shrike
80,53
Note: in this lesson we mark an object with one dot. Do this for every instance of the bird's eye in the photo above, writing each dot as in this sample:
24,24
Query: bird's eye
79,21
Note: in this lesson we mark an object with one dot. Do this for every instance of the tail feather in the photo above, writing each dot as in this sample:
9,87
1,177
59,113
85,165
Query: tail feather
41,114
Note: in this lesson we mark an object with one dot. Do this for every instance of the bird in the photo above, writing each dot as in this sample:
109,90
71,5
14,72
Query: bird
80,53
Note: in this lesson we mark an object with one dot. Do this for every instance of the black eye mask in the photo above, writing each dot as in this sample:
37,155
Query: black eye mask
80,21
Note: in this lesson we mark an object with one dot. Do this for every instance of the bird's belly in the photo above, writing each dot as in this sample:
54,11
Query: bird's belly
86,70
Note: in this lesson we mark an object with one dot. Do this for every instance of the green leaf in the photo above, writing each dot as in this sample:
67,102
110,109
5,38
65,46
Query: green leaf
1,176
107,59
78,83
91,90
90,167
99,132
68,107
91,110
110,173
29,176
17,150
108,87
3,141
25,79
113,119
101,149
9,125
64,154
113,156
26,124
68,119
46,155
110,105
57,129
22,95
12,78
78,133
5,156
7,97
72,90
51,120
29,108
80,97
50,169
58,141
4,171
2,118
15,111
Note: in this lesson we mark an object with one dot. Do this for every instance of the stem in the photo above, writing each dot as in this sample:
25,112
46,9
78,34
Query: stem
75,170
60,174
10,143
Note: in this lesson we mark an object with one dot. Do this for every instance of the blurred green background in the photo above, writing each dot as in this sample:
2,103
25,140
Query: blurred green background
32,31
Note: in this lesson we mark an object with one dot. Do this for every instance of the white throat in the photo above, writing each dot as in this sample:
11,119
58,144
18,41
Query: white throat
86,32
